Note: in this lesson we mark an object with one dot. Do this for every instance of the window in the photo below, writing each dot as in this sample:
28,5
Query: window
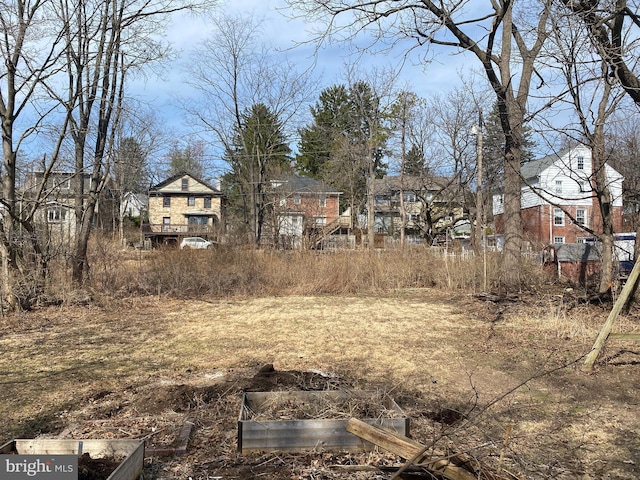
191,201
581,240
207,202
166,224
409,197
581,217
65,184
558,187
185,184
558,216
166,202
297,200
283,202
56,214
323,201
583,186
558,239
580,163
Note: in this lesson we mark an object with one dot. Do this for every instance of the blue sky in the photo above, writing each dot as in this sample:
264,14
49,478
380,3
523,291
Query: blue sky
283,34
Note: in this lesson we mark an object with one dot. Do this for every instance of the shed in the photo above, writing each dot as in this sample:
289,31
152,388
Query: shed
576,262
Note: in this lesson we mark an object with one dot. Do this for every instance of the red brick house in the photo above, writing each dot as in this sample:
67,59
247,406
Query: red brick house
558,199
306,212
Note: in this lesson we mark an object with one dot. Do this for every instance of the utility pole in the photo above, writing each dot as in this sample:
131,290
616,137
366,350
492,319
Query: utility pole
479,230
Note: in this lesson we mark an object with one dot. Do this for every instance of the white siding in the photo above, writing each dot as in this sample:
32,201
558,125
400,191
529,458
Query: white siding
576,183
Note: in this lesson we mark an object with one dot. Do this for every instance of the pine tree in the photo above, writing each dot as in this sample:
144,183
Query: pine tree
260,153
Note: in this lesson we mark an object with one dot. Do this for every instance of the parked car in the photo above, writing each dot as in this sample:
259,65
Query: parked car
195,242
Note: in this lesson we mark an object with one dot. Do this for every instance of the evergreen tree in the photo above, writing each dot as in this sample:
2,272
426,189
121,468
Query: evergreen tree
260,153
331,119
415,162
131,172
346,134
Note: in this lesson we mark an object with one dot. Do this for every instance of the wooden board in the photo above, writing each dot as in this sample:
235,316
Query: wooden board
297,435
129,468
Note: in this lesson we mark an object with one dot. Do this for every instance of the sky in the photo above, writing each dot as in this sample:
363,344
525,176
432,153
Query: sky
284,35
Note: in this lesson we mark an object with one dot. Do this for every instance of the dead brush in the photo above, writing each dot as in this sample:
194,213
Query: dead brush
228,271
322,405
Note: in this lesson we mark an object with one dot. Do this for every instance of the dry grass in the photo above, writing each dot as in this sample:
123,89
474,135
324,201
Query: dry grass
141,365
176,336
228,271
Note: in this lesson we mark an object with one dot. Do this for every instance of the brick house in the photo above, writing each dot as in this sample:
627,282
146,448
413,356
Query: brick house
558,200
184,206
306,212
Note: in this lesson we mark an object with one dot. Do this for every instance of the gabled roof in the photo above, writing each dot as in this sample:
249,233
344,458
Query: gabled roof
301,184
536,167
179,175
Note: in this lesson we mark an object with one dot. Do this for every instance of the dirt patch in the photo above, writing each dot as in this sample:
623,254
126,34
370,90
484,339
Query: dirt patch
95,468
186,397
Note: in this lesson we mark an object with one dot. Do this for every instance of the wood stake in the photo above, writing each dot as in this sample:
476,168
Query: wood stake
617,307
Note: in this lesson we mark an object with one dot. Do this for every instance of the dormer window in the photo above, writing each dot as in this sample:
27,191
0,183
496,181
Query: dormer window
185,184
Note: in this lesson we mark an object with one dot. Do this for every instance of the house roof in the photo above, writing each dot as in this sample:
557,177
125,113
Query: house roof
301,184
175,177
136,198
577,252
536,167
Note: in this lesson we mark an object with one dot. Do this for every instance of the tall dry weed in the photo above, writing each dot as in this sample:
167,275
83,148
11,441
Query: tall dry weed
234,271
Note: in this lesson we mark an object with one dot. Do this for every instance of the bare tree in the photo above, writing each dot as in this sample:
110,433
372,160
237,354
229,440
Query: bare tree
233,72
105,41
610,26
494,34
26,68
594,96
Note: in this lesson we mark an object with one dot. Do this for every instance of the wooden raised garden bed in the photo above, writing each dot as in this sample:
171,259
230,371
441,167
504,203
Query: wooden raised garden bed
128,454
297,420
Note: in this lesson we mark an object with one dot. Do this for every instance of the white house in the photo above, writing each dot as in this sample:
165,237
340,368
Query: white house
559,200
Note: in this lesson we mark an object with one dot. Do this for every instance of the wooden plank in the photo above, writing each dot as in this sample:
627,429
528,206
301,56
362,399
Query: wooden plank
406,448
617,307
632,337
132,450
297,435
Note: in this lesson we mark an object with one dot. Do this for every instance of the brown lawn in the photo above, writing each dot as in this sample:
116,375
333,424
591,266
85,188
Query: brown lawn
465,371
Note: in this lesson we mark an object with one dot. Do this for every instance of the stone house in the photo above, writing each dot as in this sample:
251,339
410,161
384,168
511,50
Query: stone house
184,206
431,205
